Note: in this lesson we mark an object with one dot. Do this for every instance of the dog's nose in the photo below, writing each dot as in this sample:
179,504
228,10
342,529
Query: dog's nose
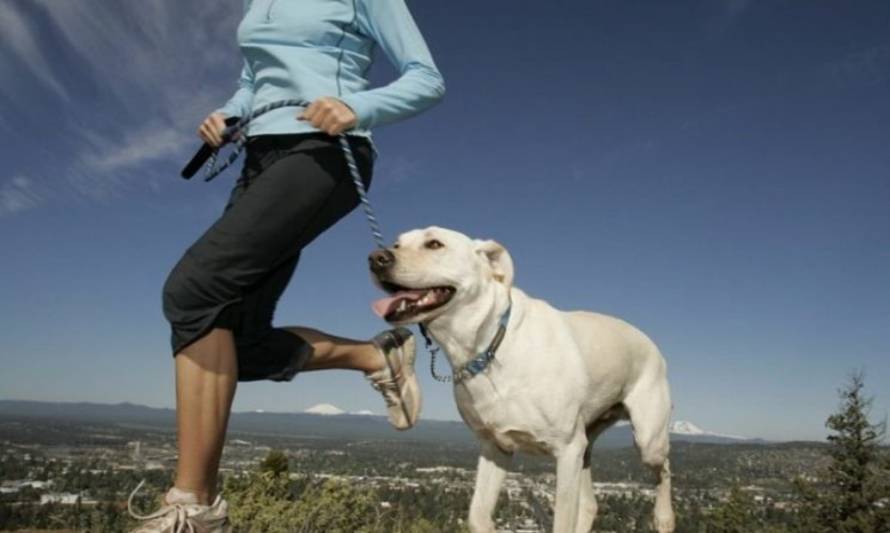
380,260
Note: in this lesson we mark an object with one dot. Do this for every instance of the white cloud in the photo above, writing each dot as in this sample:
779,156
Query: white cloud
105,167
128,84
395,170
18,35
152,56
18,194
145,145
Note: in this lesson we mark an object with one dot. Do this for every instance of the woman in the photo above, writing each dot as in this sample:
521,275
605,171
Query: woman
221,295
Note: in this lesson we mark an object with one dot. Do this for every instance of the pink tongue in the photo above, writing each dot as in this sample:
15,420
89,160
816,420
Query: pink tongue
384,306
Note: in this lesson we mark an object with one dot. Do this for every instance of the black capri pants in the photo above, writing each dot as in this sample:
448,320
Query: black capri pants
292,188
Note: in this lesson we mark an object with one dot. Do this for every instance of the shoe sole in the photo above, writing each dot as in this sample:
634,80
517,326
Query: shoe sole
410,386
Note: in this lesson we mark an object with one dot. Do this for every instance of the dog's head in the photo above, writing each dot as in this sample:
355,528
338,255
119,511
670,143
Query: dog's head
429,271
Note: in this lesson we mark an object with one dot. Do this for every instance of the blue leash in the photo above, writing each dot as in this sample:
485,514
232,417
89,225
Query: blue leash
232,130
209,155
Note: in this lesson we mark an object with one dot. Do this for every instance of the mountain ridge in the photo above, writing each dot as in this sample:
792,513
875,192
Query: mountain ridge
331,422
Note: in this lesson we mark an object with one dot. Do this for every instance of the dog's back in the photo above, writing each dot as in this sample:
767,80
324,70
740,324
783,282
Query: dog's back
613,349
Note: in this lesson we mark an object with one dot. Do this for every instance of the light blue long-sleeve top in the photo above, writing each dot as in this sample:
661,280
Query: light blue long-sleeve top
312,48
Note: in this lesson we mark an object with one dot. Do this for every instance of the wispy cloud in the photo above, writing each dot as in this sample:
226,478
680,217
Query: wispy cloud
19,194
114,88
868,66
24,54
143,145
396,169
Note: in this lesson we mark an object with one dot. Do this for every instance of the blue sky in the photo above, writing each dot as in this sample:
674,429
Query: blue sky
716,172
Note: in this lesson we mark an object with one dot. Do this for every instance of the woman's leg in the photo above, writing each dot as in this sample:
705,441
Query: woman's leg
273,353
281,210
329,351
206,376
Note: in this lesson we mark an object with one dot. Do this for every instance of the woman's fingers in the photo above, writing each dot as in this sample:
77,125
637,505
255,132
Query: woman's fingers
206,135
309,113
330,124
219,125
211,129
317,112
330,115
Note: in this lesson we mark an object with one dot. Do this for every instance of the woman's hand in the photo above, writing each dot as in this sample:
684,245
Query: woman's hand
212,128
330,115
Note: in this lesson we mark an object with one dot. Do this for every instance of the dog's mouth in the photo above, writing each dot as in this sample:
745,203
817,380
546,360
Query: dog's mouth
405,303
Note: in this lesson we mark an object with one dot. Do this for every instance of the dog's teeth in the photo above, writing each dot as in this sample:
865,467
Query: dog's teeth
402,305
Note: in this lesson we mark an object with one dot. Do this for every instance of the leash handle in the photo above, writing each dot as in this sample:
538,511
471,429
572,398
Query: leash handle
234,125
203,154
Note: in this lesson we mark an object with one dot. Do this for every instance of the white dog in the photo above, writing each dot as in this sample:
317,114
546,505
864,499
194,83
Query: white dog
556,379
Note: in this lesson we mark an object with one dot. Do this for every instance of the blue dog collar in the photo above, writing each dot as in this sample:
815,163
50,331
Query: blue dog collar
477,364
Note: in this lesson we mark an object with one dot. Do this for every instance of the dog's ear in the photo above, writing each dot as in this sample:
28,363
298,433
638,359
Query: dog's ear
498,259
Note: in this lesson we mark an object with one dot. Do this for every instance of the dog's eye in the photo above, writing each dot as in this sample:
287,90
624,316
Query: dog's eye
433,244
396,245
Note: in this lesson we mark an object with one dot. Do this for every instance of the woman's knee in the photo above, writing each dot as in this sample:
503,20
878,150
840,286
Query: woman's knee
174,292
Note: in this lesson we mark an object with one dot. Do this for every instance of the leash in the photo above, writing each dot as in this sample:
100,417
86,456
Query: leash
235,126
433,350
475,365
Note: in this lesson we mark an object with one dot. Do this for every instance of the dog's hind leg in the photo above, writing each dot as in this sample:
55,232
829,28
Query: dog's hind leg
490,474
649,407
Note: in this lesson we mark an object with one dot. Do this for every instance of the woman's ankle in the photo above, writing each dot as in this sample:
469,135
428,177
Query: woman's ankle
183,495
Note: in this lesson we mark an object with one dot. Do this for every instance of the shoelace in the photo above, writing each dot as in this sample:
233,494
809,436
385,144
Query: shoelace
389,387
181,521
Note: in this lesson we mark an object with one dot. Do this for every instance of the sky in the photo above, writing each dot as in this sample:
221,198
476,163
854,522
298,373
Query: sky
716,172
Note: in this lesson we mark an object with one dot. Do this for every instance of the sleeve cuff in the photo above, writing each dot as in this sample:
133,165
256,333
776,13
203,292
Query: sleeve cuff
360,107
229,110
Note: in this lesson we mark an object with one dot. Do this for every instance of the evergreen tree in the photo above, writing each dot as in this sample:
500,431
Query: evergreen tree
276,463
852,494
737,515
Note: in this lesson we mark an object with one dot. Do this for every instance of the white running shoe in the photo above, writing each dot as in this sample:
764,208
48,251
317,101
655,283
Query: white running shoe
182,513
397,380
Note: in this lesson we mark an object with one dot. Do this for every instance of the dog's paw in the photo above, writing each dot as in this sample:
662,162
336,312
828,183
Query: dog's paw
664,523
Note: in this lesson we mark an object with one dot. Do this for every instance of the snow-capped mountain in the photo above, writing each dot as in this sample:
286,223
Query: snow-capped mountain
684,427
313,421
324,409
327,409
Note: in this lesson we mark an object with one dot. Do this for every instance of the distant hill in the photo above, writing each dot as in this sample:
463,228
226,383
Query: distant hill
325,421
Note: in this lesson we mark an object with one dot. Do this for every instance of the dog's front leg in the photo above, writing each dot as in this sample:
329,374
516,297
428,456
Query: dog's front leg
569,463
493,465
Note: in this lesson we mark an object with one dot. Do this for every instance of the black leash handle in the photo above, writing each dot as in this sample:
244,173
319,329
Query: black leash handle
203,154
234,125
